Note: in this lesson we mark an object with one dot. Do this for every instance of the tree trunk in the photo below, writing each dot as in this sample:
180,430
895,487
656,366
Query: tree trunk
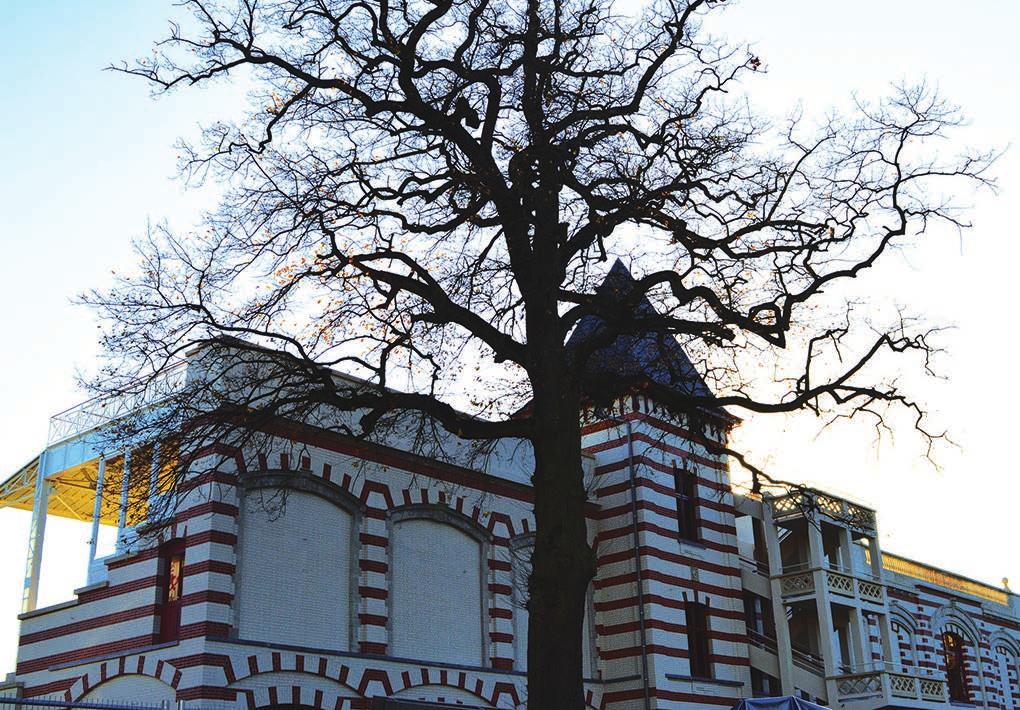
562,561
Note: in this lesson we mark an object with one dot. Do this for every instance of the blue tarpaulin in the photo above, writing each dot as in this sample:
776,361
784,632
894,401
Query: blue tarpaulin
787,702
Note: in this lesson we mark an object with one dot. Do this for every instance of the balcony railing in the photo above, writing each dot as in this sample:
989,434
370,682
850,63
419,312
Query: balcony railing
760,568
802,502
808,661
792,585
891,682
802,658
761,641
844,584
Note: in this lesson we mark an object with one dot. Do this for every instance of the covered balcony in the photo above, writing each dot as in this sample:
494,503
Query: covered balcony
880,684
842,582
111,493
807,502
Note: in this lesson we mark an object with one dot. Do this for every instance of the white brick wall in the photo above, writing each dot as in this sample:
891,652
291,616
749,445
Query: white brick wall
294,572
436,593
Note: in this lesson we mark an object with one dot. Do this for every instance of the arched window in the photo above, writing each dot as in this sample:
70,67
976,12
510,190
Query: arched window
438,593
295,553
905,644
954,654
1006,663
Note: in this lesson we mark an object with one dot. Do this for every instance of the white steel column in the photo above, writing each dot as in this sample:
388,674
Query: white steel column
124,486
97,511
154,481
36,536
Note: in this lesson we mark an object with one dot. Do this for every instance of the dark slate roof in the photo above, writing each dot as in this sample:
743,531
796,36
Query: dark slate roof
648,359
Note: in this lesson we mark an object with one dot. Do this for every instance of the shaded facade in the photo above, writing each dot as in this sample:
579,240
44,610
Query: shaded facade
329,572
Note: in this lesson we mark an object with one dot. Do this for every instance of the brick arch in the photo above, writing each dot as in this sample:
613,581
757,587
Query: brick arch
302,481
951,617
899,614
446,694
487,690
298,689
901,618
1002,639
443,514
467,527
266,664
118,667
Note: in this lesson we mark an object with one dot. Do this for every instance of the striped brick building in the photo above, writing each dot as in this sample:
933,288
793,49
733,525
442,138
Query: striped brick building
323,571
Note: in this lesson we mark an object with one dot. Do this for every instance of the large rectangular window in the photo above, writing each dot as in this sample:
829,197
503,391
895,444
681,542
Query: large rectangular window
698,645
685,484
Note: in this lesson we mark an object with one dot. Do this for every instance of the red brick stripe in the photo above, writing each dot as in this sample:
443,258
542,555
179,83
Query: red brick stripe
88,624
102,649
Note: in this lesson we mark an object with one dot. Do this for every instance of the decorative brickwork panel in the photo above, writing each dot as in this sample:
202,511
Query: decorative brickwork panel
437,593
294,581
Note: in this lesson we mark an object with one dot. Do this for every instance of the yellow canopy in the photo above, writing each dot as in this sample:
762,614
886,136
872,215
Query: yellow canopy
73,492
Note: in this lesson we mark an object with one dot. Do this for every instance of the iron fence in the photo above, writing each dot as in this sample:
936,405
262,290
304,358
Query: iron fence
31,703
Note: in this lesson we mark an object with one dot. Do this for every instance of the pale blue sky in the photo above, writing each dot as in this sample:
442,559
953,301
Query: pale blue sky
88,158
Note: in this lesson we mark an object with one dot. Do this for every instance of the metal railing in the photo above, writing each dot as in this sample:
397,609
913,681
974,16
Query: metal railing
760,568
889,667
808,661
99,411
762,641
801,656
19,703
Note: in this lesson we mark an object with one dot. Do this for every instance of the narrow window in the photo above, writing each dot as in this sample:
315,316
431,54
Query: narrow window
175,578
952,647
172,558
1007,686
686,485
697,639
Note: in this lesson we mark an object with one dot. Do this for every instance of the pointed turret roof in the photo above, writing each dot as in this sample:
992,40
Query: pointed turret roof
649,360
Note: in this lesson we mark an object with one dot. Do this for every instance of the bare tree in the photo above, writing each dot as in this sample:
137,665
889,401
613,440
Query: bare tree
425,195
